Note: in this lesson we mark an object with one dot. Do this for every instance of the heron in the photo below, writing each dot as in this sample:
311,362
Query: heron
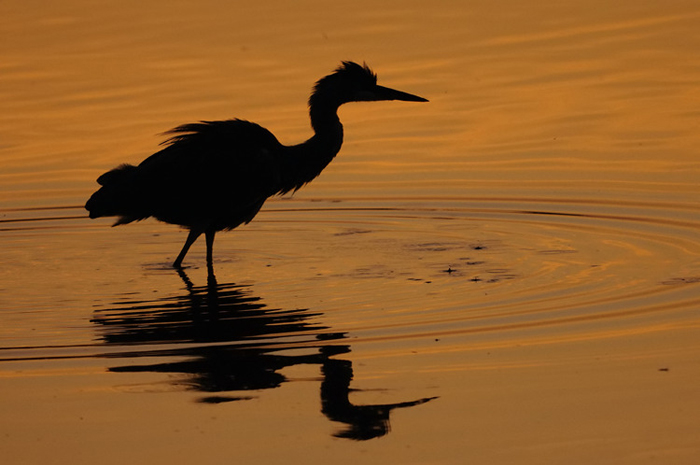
214,176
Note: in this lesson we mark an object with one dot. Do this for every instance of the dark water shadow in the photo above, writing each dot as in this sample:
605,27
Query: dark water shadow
227,343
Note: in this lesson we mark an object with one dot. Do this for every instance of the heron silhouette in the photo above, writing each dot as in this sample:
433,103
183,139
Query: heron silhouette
216,175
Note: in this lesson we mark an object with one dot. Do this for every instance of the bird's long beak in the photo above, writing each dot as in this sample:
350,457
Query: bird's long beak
385,93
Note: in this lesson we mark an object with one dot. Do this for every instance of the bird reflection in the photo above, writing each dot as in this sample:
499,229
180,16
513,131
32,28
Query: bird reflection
225,341
365,421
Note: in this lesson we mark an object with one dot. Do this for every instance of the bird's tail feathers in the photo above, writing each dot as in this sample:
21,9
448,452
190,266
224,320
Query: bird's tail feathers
117,196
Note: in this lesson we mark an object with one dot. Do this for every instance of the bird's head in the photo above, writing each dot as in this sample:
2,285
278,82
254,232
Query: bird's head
355,83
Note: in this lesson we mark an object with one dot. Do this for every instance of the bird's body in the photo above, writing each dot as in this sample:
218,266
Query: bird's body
214,176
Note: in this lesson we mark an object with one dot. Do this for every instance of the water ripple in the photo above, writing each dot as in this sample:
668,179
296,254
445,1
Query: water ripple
491,270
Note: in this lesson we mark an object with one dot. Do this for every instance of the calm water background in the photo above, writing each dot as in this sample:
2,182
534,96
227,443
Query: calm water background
507,274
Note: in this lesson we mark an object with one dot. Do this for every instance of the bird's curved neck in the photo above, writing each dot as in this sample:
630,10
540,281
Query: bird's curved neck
307,160
328,132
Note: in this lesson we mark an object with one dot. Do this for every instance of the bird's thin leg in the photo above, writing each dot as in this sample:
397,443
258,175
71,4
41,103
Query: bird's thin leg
191,237
209,235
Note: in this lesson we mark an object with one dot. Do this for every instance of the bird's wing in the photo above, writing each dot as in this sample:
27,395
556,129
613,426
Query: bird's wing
223,170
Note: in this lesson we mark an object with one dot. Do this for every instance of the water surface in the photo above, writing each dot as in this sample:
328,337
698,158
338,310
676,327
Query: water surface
507,274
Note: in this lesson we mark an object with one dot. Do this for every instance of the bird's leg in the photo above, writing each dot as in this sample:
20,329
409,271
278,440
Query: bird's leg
191,237
209,235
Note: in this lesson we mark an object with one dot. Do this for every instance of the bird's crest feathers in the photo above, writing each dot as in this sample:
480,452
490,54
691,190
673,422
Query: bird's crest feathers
357,71
348,73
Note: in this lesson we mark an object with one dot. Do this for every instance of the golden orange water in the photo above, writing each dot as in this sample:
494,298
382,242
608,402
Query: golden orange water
507,274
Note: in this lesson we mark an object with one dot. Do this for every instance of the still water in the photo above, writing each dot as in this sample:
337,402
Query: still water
507,274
